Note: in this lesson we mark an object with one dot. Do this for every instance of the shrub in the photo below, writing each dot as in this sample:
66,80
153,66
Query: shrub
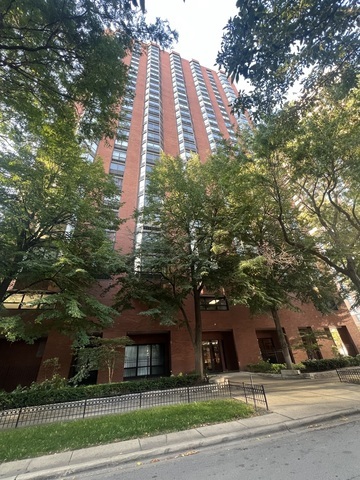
331,363
41,394
267,367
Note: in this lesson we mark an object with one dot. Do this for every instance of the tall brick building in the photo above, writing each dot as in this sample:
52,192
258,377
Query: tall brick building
177,106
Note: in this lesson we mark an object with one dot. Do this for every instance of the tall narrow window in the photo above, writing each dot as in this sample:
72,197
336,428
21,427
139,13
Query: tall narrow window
310,343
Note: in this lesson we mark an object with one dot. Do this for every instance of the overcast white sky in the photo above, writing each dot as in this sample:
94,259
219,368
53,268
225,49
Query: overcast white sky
199,24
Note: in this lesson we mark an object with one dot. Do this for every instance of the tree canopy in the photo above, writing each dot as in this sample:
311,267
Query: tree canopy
309,163
270,275
55,209
275,44
211,229
55,54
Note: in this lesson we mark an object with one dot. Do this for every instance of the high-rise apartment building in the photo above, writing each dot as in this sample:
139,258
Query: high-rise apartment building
173,106
178,107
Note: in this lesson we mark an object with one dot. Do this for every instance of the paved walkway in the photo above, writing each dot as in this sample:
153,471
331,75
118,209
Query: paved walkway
292,403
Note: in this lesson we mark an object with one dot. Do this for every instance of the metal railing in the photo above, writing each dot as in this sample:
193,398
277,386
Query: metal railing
41,414
350,376
251,393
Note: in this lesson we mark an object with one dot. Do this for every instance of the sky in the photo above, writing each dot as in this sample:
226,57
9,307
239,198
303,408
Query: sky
199,24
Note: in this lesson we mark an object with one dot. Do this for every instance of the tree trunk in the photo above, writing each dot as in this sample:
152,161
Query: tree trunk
199,366
283,342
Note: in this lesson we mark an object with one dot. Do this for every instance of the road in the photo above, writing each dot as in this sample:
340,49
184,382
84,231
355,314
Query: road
314,453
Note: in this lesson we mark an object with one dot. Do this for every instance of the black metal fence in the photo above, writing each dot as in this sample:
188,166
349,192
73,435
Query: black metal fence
350,376
40,414
251,393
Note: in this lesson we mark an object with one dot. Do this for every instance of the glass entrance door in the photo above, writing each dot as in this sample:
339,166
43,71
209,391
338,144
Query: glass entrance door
212,356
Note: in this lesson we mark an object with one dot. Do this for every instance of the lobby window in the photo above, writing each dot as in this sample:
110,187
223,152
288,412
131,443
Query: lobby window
310,343
144,360
210,302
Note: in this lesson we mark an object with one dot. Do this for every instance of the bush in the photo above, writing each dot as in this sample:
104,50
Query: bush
331,363
267,367
41,394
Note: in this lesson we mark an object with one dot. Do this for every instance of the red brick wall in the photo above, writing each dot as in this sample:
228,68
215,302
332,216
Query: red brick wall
181,354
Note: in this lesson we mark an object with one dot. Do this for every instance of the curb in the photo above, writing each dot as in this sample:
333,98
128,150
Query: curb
171,449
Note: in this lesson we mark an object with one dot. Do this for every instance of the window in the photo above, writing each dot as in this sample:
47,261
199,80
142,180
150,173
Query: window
121,144
111,235
151,157
117,168
153,137
144,360
119,155
210,302
25,300
153,148
309,341
118,181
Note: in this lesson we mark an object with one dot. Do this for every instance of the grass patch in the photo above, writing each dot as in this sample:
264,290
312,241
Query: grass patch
38,440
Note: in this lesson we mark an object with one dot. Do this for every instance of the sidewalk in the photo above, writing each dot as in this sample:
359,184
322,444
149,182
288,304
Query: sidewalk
292,403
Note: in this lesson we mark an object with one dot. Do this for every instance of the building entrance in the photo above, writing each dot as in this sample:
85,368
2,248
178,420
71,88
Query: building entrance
212,356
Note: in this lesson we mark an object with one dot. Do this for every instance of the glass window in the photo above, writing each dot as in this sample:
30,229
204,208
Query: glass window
118,181
144,360
210,302
119,155
151,158
117,168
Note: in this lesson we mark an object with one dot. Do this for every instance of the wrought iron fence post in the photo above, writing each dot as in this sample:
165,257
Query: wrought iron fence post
18,418
254,396
188,394
245,392
140,399
229,385
84,411
264,394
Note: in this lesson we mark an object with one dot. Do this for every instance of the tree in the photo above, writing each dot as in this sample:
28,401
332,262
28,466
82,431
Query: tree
311,170
274,44
56,54
185,251
271,275
277,279
55,208
100,354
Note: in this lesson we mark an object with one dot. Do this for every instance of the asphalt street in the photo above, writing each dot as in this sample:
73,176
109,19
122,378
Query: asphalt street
319,453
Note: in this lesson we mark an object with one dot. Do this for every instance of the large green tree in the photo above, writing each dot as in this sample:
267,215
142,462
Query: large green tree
311,170
55,209
185,251
271,275
275,44
59,53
